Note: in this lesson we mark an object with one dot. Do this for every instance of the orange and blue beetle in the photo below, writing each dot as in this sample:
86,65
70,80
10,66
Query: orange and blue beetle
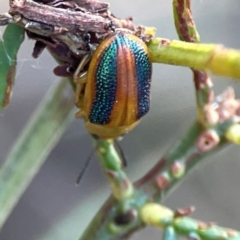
116,89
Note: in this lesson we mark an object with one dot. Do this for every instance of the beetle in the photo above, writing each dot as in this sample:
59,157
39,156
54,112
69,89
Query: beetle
116,88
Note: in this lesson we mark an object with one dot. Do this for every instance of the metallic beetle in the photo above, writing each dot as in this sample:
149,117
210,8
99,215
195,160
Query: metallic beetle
117,90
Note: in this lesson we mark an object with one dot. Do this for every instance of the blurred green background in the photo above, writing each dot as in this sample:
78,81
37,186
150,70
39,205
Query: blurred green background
52,207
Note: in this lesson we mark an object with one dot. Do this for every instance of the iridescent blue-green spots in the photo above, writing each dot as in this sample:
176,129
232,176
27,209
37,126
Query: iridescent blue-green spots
144,70
106,79
106,83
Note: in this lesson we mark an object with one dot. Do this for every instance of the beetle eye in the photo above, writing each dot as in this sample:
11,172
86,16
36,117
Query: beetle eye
70,70
86,38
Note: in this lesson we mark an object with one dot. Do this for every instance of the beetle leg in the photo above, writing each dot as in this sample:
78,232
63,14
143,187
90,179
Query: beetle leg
80,82
80,79
5,19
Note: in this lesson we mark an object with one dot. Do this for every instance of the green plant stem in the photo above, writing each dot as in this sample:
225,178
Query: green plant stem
175,224
163,177
111,164
187,31
207,57
183,21
177,162
169,234
40,136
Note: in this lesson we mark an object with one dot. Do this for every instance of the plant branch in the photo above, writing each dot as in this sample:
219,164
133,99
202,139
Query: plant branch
187,31
178,224
197,56
153,187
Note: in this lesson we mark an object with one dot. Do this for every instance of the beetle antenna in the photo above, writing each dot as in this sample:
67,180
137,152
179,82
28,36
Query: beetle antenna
123,158
90,157
86,165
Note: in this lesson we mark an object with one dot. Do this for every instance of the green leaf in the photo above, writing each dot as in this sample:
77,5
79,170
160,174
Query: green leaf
40,136
9,46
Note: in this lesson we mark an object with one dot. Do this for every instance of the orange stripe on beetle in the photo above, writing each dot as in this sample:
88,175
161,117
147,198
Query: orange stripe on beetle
117,92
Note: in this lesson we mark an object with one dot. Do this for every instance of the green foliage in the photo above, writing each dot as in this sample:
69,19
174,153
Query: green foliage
9,45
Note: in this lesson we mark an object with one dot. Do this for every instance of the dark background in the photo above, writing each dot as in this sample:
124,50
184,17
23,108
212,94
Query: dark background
52,207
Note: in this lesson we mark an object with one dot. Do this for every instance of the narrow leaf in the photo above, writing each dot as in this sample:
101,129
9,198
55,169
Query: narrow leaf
37,140
9,46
